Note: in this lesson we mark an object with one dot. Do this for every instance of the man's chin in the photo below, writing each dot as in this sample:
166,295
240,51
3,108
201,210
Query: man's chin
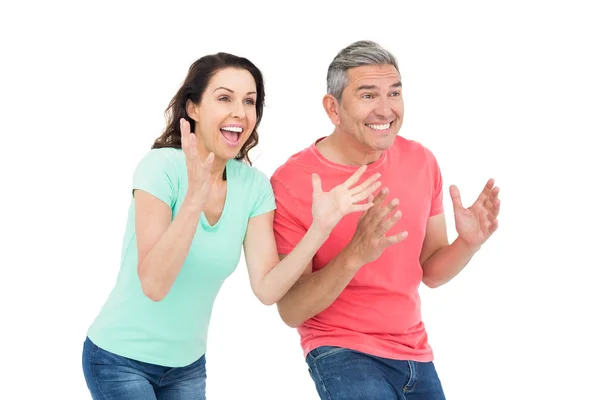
384,143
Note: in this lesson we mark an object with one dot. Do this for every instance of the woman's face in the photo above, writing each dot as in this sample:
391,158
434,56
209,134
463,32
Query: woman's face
226,115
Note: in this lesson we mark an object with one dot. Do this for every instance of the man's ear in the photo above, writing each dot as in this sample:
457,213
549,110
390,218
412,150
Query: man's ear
191,110
332,108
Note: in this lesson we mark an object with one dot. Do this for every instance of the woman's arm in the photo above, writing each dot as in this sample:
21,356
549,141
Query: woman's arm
162,245
271,277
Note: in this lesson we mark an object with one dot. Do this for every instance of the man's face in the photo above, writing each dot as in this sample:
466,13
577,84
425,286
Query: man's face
372,108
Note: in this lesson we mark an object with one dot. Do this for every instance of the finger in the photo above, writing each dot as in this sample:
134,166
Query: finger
490,216
487,189
369,201
355,176
493,207
455,195
390,222
373,212
184,125
491,223
494,226
394,239
209,160
380,196
486,228
496,209
484,222
384,223
361,207
366,193
388,208
316,184
494,193
192,147
365,184
488,204
184,134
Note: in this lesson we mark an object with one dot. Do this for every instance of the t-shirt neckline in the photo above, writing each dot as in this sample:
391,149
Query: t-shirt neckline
350,168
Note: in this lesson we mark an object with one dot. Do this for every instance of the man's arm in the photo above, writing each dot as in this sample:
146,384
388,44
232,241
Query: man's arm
441,262
315,291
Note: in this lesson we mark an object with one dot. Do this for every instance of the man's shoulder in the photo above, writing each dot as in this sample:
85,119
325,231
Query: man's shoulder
292,179
412,146
407,143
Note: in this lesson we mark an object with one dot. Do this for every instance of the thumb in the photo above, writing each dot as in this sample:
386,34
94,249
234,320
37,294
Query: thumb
316,183
455,195
209,161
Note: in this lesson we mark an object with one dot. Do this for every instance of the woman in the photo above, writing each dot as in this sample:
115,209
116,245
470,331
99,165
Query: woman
196,201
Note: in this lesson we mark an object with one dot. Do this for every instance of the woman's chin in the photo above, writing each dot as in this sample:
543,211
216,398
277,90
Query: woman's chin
227,154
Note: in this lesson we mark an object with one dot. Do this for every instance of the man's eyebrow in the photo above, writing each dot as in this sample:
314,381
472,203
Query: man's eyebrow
371,87
366,87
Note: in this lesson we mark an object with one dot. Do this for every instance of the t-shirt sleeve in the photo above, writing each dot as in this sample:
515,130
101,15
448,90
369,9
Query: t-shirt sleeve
287,226
264,199
156,174
437,199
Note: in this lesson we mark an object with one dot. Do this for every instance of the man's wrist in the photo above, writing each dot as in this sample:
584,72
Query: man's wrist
350,260
468,247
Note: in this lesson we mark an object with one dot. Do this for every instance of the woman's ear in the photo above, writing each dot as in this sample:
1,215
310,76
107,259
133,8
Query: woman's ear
191,109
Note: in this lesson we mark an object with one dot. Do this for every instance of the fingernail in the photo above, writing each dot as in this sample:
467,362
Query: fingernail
404,234
397,214
395,202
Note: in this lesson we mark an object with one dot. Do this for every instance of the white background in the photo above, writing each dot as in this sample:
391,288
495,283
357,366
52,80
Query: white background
508,90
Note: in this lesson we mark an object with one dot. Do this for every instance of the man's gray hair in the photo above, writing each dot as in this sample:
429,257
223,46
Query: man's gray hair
357,54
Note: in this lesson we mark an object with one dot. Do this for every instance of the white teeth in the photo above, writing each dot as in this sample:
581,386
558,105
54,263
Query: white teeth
378,127
232,129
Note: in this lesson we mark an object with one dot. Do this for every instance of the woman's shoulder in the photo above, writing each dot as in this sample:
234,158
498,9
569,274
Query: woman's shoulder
169,159
245,172
249,180
164,154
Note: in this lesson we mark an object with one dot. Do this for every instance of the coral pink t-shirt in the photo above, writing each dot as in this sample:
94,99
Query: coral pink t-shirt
379,312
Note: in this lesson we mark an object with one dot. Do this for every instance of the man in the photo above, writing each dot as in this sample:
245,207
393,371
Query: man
357,306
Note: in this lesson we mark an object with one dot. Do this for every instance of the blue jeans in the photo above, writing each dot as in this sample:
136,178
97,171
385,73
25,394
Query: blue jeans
343,374
109,376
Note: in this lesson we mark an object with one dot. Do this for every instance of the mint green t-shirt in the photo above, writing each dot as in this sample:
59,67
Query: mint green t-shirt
173,332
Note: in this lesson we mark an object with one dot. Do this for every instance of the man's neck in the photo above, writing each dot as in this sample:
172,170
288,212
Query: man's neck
346,150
